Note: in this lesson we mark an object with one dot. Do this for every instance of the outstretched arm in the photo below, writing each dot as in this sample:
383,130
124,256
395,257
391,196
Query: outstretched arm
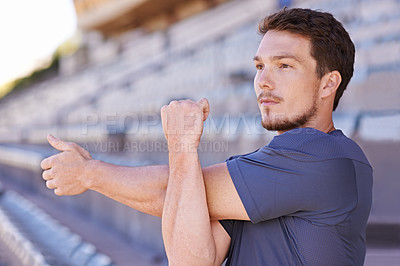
73,171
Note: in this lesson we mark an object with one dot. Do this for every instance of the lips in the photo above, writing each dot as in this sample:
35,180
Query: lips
268,102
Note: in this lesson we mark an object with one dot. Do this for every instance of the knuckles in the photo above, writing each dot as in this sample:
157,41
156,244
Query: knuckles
73,146
181,106
173,103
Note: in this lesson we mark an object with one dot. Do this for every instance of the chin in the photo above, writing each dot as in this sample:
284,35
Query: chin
283,123
280,126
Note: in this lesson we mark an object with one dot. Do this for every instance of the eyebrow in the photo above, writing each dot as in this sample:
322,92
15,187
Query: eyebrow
278,57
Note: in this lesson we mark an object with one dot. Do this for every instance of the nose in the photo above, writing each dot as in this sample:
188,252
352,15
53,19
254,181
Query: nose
263,80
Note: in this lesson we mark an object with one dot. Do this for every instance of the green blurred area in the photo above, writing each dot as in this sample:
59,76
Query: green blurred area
42,73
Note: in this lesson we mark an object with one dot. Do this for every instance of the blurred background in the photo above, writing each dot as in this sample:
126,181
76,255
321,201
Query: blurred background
97,72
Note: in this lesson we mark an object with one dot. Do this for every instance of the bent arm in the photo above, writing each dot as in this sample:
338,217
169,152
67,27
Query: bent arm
186,223
190,238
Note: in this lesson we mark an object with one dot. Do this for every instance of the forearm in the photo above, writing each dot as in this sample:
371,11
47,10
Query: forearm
142,188
186,223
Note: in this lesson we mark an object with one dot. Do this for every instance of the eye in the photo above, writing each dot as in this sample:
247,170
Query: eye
284,66
259,67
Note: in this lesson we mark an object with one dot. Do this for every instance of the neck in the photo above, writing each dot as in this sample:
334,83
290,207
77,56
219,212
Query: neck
319,124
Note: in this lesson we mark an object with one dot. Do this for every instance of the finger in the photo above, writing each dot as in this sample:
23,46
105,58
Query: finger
164,120
46,163
47,175
205,106
58,143
82,151
50,184
163,112
58,192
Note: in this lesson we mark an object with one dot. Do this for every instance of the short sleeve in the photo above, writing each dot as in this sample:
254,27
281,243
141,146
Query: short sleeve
228,226
272,184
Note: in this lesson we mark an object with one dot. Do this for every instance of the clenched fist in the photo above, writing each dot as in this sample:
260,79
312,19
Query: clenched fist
65,171
182,123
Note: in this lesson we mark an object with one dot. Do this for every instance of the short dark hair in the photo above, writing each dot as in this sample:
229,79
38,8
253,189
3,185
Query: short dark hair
331,45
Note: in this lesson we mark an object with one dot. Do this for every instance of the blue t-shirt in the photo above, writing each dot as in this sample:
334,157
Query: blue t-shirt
308,195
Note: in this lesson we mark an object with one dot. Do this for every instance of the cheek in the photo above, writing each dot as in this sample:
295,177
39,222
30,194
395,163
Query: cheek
300,100
255,85
295,97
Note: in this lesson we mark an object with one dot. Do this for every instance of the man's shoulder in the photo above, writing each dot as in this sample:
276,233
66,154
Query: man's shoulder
312,144
307,144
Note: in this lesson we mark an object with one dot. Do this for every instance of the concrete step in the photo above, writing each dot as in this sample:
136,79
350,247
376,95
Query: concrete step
41,240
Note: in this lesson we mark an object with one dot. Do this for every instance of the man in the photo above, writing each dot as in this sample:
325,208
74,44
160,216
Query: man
304,199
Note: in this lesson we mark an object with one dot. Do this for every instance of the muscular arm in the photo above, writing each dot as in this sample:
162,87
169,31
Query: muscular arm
186,224
73,171
187,230
141,188
189,199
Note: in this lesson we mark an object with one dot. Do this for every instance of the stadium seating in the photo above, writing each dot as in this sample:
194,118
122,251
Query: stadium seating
111,91
23,224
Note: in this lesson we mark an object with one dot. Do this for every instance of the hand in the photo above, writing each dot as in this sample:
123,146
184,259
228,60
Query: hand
182,123
65,171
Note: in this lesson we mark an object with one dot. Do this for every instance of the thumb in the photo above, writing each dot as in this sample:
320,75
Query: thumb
205,106
57,143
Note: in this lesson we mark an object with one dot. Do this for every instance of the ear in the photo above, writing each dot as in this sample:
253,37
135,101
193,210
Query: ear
331,83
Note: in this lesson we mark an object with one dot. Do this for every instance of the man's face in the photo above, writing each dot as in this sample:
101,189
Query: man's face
286,82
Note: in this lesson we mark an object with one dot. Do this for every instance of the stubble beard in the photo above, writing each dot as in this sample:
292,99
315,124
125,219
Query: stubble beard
283,123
